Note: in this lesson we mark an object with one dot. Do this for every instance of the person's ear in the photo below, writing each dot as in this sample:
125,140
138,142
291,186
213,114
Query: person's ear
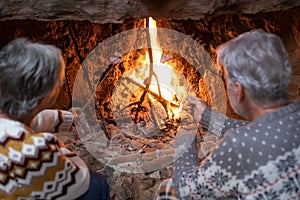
240,92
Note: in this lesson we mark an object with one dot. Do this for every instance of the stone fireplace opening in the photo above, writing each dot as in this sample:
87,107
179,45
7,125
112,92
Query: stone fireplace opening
134,101
128,130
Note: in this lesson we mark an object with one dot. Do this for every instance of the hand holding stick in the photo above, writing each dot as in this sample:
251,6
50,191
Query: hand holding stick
196,107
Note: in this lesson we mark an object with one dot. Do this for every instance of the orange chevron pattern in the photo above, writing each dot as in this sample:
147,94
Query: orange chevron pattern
32,165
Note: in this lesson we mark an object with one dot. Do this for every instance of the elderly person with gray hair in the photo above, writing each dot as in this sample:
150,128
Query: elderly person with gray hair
259,159
32,164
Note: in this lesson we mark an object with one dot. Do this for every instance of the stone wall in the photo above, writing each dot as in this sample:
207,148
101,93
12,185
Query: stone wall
116,11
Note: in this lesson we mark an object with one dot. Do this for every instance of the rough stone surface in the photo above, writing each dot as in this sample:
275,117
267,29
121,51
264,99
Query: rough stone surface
115,11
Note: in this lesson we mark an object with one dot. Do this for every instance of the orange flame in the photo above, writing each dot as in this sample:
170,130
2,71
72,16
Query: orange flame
164,72
156,50
166,78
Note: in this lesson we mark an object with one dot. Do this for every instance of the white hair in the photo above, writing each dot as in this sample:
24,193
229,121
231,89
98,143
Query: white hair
260,63
28,73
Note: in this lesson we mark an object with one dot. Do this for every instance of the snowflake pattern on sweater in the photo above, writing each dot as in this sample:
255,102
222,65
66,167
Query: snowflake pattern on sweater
258,160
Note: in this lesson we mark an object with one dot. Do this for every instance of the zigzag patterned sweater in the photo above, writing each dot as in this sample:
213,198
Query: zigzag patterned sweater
33,166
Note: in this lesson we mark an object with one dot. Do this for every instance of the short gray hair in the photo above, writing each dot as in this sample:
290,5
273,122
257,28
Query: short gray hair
260,62
28,73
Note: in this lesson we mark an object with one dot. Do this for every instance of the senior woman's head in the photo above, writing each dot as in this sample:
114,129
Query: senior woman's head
260,63
29,72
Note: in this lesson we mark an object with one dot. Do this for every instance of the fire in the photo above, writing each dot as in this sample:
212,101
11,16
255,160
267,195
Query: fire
164,72
156,50
162,81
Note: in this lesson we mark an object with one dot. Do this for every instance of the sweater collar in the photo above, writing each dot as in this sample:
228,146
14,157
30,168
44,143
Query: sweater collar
290,108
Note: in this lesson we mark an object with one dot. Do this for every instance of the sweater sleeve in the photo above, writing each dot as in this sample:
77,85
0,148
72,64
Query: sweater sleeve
82,176
186,167
217,123
52,121
186,155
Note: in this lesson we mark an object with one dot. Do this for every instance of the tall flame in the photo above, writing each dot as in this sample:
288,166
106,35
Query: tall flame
165,79
156,50
164,72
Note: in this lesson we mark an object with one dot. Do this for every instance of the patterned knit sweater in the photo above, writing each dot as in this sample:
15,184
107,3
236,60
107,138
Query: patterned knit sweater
33,166
258,160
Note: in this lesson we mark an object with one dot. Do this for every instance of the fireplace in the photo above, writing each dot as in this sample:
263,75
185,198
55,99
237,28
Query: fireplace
132,90
129,130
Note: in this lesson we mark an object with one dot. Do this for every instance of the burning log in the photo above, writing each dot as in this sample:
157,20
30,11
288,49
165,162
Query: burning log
165,103
158,97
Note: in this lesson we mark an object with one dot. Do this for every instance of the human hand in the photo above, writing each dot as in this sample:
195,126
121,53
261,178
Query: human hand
77,114
196,107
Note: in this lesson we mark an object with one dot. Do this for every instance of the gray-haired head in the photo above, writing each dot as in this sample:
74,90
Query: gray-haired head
260,63
28,73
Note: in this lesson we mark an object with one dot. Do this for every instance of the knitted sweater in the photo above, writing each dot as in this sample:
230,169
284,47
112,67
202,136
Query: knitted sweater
52,121
33,166
258,160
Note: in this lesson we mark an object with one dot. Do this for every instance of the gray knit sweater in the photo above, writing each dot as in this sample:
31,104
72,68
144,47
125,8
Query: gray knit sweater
258,160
